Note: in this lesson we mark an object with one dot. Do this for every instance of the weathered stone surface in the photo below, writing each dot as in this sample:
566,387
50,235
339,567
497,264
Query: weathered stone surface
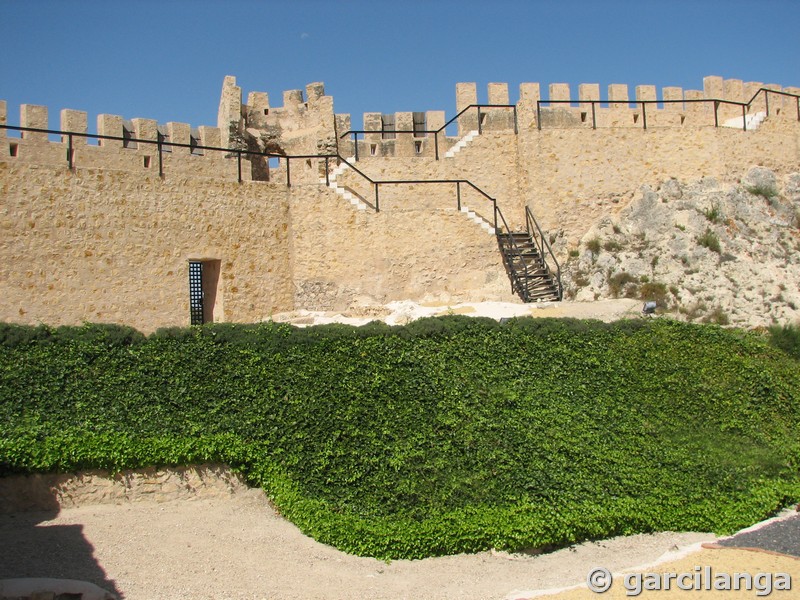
48,492
111,241
762,181
660,240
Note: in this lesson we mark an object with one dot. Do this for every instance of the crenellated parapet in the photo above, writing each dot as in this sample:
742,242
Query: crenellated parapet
718,101
304,124
138,144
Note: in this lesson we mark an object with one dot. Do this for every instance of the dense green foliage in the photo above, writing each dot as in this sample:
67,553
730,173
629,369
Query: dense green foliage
446,435
787,338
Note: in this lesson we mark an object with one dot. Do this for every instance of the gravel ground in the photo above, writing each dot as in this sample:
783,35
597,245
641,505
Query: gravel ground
781,536
238,547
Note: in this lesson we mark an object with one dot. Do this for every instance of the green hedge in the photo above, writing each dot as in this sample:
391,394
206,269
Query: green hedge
447,435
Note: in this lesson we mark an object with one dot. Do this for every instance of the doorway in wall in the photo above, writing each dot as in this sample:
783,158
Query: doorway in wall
203,280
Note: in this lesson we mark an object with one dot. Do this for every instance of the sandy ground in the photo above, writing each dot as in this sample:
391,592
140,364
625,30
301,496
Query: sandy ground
238,547
404,311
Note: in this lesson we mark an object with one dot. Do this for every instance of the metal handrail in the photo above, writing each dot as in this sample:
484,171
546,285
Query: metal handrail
161,144
745,106
496,212
515,278
355,133
529,218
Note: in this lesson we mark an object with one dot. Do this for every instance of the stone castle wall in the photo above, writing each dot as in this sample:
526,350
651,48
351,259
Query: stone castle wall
110,239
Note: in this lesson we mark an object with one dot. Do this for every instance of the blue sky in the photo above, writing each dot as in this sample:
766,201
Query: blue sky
166,59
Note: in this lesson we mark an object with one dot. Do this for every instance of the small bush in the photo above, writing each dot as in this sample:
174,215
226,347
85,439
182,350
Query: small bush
787,338
693,311
618,282
713,214
656,292
612,246
593,245
581,280
710,240
574,253
717,316
766,190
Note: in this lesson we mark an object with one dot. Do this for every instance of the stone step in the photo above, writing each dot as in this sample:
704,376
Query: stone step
460,144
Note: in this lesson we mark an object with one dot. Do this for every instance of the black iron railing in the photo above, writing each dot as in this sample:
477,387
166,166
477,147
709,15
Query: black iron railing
422,133
497,221
239,153
543,244
518,283
161,144
643,104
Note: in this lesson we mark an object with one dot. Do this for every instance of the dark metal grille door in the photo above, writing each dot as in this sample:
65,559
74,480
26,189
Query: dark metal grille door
196,292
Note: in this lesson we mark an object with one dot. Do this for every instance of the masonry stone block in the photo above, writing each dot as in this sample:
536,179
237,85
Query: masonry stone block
75,121
293,100
404,143
751,94
3,117
110,125
179,133
314,91
530,93
733,89
343,122
146,129
618,95
466,95
588,92
434,119
209,136
795,91
646,93
324,105
230,111
257,109
31,115
529,96
713,86
695,108
776,101
673,97
498,93
559,91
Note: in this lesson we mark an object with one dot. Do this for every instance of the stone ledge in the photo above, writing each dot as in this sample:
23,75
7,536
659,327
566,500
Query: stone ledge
53,491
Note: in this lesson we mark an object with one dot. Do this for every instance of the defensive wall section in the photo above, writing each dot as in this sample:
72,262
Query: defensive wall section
104,227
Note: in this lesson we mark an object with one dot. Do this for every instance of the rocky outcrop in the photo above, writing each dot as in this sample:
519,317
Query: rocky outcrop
721,252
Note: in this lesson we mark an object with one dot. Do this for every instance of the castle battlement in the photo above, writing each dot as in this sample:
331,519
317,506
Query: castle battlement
305,124
116,231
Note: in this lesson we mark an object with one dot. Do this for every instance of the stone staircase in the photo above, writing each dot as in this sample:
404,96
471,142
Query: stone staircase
479,220
342,190
752,121
461,144
531,279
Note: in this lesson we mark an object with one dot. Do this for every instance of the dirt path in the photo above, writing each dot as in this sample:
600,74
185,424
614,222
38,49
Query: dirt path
200,533
237,547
